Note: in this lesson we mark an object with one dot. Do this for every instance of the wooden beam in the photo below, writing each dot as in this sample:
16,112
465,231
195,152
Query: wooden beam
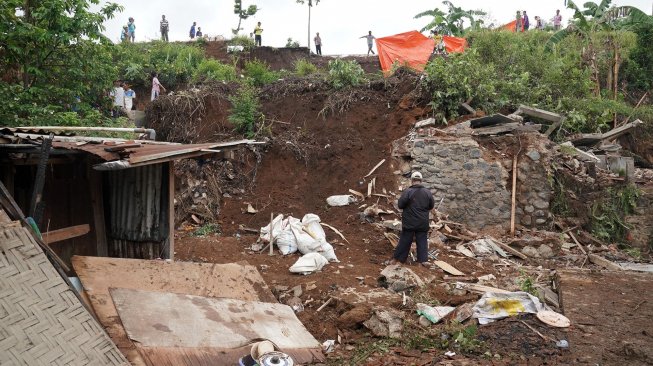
65,233
97,202
554,126
171,210
506,128
539,113
614,133
513,208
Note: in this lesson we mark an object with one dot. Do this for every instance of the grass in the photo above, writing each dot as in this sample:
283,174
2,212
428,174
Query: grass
207,229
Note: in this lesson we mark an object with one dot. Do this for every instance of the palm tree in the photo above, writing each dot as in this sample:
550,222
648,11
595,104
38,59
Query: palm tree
451,22
600,17
310,5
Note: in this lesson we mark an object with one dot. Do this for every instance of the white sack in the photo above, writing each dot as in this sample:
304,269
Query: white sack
277,227
312,227
309,263
286,242
494,306
342,200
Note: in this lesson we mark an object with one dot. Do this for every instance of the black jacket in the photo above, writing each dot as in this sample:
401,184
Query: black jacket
416,201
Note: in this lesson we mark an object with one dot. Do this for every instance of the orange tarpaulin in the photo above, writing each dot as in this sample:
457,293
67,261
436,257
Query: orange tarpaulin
412,49
511,26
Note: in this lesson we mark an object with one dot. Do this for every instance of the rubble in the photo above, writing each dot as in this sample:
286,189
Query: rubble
386,322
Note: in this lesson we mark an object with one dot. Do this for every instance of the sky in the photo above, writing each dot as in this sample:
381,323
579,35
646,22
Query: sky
340,22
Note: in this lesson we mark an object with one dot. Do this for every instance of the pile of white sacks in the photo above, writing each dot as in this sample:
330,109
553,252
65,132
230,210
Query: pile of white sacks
306,236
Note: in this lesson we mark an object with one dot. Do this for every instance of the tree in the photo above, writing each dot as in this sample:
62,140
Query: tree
601,17
53,53
243,13
451,22
310,5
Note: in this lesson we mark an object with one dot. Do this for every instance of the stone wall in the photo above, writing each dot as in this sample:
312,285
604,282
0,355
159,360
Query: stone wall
472,177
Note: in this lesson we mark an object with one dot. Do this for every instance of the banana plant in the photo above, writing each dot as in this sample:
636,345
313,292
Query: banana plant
451,22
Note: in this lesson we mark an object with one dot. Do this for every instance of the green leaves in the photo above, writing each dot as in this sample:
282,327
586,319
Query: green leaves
345,73
450,22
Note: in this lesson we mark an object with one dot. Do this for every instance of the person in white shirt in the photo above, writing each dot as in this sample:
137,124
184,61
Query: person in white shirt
130,95
118,95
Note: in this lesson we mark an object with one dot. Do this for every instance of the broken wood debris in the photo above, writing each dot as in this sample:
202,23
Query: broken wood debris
598,260
65,233
375,168
506,128
448,268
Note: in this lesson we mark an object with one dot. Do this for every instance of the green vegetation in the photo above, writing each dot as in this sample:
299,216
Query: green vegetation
452,21
207,229
290,43
245,110
304,67
607,215
242,14
345,73
214,70
258,73
526,283
55,62
175,62
638,68
244,41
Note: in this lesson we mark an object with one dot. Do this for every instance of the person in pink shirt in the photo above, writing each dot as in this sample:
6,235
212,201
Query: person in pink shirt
557,20
156,86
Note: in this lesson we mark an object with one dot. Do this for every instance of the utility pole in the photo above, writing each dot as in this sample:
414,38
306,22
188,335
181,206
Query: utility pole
310,5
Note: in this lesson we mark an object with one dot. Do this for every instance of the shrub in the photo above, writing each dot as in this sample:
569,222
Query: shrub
244,41
345,73
292,43
258,73
607,216
457,79
304,67
638,68
245,110
210,69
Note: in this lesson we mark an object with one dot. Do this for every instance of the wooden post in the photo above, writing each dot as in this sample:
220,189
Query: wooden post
271,236
171,210
97,201
514,195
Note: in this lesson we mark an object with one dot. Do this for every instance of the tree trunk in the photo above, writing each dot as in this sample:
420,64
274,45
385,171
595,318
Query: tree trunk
309,28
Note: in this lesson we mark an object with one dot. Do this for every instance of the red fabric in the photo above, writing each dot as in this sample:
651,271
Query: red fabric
412,49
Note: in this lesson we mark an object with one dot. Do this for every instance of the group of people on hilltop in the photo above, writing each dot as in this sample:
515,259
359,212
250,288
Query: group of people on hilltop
523,24
128,33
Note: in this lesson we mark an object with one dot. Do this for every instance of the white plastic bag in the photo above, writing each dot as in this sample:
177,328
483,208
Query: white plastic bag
277,224
494,306
434,313
311,224
309,263
341,200
286,242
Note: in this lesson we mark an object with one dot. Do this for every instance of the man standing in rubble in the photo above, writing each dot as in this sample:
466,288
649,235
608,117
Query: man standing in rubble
416,202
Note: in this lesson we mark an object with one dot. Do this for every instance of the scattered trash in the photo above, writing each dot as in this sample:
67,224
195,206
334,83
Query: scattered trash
487,278
450,354
329,346
485,247
309,263
434,314
464,251
462,312
251,209
448,268
562,344
493,306
398,278
291,235
341,200
553,319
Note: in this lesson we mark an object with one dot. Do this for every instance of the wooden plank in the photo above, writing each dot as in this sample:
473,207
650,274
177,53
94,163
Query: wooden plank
97,204
513,195
511,250
98,274
170,154
171,210
448,268
554,126
506,128
480,288
616,132
154,319
65,233
4,218
539,113
493,120
375,168
604,263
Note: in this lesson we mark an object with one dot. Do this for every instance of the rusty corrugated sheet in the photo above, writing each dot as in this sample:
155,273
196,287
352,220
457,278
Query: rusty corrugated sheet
137,206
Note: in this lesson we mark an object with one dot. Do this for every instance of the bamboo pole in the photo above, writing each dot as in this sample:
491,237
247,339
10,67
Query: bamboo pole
514,195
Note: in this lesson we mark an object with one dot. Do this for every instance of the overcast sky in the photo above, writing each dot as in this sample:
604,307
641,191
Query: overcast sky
340,22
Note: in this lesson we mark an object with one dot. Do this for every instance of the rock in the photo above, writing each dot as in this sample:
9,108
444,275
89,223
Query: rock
296,304
399,278
534,155
545,251
541,204
424,322
386,322
297,291
425,123
540,221
352,318
529,209
527,220
531,251
475,153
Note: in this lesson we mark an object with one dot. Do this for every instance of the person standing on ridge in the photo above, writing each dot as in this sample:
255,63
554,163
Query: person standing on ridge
199,33
370,42
416,202
191,33
318,44
156,86
164,27
527,22
257,35
557,21
124,35
539,24
519,25
132,30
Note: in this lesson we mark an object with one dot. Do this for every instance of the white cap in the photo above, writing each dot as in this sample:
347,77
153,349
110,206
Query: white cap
416,175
